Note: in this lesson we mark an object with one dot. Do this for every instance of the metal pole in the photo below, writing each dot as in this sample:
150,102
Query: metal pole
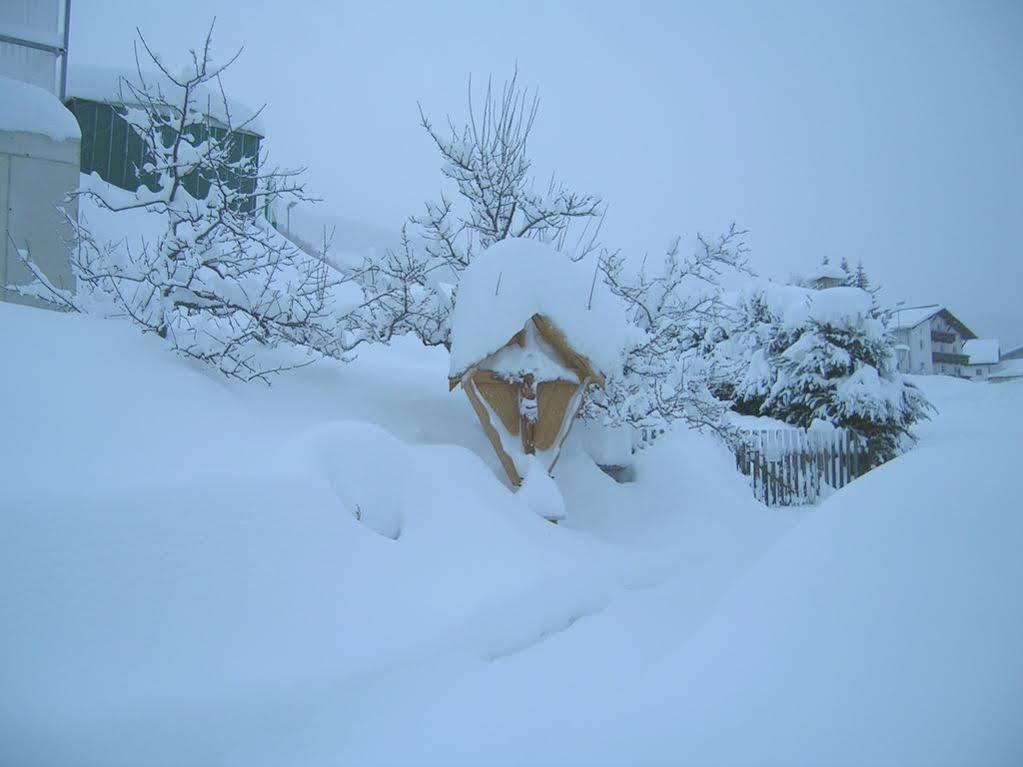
63,60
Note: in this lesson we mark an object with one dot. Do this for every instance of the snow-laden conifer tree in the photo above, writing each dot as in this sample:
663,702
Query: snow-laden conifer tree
801,356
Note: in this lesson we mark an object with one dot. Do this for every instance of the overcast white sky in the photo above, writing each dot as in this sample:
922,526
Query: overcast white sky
887,132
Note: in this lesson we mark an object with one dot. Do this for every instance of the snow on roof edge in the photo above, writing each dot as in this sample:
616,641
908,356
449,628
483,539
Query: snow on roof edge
28,108
104,85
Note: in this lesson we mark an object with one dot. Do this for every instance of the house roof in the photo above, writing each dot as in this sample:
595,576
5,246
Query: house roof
1007,370
911,316
106,86
982,351
1015,353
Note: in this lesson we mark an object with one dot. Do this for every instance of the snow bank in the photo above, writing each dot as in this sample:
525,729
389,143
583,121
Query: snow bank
884,629
539,492
330,571
516,278
29,109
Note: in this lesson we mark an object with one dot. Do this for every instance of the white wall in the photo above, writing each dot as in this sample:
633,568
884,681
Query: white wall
36,20
35,175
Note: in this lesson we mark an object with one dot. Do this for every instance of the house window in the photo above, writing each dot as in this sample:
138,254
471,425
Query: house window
977,372
921,343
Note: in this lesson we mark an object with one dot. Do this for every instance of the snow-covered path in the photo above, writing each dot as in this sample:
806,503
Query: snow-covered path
183,580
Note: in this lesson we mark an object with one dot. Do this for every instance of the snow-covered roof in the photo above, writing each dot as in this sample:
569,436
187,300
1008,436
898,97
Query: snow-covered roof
105,85
30,109
1008,369
910,317
827,272
516,278
982,351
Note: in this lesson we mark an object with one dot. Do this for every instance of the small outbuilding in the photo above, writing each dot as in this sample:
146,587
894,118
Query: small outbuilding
532,333
39,144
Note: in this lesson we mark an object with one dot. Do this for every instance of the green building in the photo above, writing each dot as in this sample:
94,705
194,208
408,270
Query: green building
111,148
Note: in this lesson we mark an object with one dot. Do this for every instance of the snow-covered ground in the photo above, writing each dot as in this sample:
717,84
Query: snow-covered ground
331,571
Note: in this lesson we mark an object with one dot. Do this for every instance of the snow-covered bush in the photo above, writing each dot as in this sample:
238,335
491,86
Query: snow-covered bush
487,164
218,283
800,356
677,313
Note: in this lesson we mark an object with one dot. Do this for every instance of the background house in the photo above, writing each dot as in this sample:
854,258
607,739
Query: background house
826,276
984,357
929,340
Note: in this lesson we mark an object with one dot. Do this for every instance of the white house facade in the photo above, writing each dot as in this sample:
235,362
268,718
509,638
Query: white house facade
929,341
984,355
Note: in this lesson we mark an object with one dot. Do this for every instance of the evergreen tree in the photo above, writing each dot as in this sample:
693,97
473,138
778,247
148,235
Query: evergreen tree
794,357
860,279
849,276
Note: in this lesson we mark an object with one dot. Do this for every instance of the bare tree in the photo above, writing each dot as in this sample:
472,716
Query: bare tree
679,310
219,284
487,159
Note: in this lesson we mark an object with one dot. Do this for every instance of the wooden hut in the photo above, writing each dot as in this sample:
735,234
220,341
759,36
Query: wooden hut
530,335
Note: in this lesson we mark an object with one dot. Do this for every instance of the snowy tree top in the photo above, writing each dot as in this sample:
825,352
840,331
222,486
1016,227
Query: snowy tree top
30,109
514,279
794,306
105,85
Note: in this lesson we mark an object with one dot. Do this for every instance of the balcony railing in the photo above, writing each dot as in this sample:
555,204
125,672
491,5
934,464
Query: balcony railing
943,338
954,359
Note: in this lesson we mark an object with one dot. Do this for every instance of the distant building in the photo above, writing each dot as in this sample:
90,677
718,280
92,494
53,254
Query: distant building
984,357
1007,370
826,276
929,340
1014,354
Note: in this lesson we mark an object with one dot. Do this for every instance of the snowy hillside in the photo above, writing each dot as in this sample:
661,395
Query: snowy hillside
330,570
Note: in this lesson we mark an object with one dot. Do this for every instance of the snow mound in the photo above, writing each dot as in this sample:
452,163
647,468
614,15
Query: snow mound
539,492
26,108
516,278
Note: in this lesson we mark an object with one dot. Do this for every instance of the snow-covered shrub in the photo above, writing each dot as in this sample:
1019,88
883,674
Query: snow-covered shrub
487,164
217,282
800,356
678,314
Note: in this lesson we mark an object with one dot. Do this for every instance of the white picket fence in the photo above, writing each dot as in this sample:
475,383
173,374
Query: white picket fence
792,467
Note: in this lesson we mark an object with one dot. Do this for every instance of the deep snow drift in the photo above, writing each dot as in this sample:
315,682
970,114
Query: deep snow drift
331,571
